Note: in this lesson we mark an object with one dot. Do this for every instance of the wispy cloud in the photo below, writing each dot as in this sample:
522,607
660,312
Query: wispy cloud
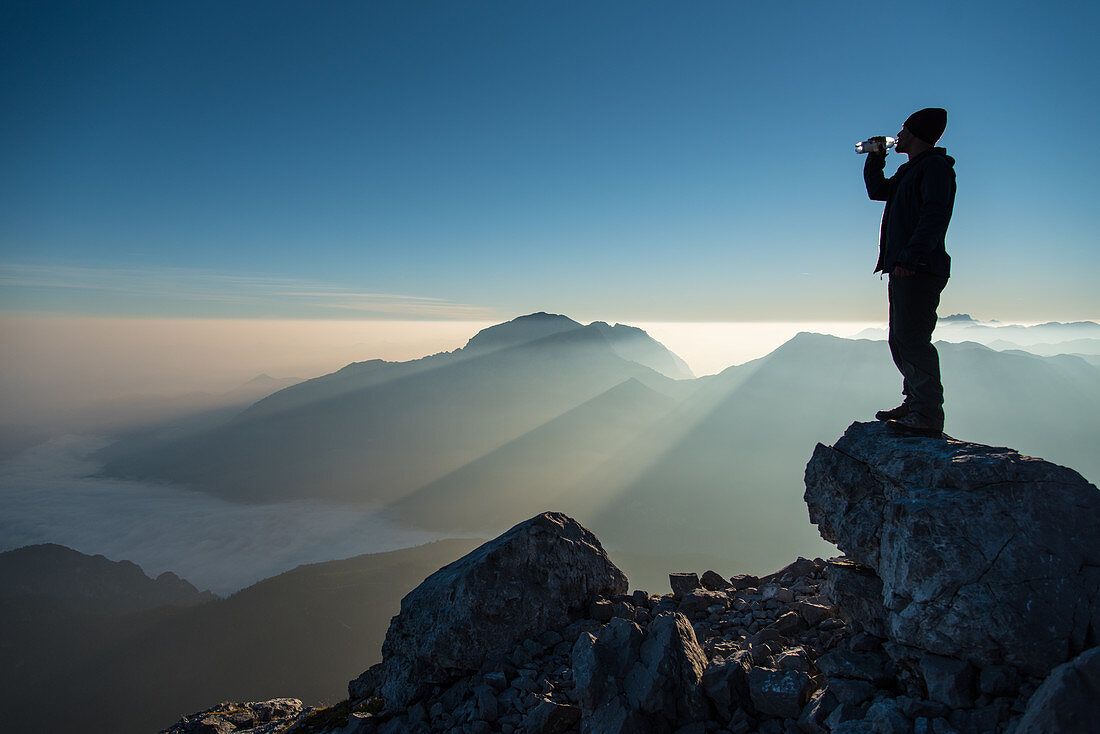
163,287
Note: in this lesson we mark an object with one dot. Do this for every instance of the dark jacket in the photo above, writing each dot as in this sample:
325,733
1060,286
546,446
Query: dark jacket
919,199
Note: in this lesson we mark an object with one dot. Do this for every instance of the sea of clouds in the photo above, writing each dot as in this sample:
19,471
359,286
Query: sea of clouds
48,494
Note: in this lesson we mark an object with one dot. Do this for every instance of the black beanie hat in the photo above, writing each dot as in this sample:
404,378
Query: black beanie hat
928,124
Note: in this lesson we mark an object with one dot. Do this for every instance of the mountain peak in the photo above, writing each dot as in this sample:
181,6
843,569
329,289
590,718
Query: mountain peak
520,330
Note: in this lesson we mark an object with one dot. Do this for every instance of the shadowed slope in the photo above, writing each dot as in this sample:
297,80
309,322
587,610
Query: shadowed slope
540,469
306,631
378,431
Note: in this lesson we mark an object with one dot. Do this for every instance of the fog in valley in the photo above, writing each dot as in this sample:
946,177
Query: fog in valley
47,496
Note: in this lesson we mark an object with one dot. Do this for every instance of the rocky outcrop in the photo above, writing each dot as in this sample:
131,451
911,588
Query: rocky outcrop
256,717
536,577
984,555
928,626
741,659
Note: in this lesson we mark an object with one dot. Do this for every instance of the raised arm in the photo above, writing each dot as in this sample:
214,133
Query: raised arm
878,186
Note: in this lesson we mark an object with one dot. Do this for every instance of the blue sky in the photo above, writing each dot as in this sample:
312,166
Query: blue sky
615,160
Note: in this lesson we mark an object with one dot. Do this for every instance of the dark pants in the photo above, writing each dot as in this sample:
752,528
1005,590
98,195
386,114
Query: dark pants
913,302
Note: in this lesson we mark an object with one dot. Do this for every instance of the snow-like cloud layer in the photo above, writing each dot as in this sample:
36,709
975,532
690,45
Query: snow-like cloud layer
48,496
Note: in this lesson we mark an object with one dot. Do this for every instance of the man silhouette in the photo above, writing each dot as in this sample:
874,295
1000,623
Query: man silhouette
919,198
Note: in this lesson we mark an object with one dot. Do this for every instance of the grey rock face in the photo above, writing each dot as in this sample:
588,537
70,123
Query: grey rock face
1068,702
666,678
599,663
624,677
857,592
949,681
727,684
984,554
531,579
779,692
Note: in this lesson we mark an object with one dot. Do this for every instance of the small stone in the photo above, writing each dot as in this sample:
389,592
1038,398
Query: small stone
850,691
813,613
727,683
497,679
792,659
487,706
779,693
683,583
842,713
417,713
550,718
885,718
601,610
998,680
949,681
696,727
550,638
789,623
986,718
820,705
921,709
396,725
714,582
744,581
700,600
624,610
873,667
640,597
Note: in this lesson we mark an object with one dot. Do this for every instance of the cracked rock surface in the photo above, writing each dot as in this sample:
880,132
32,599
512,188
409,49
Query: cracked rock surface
984,554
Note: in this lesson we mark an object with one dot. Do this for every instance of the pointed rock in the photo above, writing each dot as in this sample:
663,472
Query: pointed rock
531,579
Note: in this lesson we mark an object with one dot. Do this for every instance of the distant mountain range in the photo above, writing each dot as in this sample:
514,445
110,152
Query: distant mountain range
92,584
1054,337
605,424
379,430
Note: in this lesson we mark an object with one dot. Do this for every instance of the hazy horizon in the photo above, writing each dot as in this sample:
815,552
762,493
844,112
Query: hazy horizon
52,492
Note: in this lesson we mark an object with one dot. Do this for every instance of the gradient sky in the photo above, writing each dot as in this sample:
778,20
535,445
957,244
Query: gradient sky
478,160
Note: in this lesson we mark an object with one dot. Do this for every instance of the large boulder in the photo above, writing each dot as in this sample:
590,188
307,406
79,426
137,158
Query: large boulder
1068,702
533,578
984,554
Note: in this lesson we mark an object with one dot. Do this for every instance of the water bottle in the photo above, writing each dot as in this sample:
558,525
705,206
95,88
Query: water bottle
868,145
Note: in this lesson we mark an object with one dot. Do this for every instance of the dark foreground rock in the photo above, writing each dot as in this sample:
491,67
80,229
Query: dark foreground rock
534,632
1069,699
984,554
536,577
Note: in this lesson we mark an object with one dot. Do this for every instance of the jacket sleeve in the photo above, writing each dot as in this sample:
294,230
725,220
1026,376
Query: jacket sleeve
878,186
937,198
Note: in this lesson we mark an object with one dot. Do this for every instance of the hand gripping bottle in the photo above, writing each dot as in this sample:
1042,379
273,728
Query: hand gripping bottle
868,145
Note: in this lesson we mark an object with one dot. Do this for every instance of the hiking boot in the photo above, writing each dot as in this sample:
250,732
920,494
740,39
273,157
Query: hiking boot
893,414
915,424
